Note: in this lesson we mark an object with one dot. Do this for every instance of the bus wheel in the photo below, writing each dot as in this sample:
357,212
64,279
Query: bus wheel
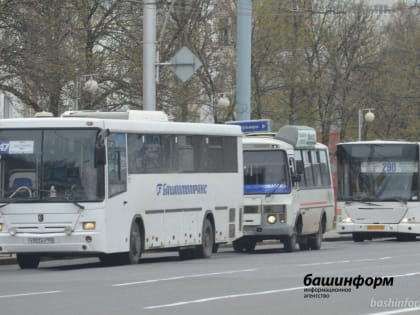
303,243
358,237
315,241
207,241
134,251
250,246
290,243
238,245
26,261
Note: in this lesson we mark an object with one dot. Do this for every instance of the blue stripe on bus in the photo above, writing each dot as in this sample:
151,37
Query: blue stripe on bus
267,188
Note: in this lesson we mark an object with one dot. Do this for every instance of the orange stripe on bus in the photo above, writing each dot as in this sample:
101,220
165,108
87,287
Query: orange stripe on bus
316,203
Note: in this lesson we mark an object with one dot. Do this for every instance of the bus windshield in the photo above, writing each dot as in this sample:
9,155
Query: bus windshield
266,172
49,165
378,172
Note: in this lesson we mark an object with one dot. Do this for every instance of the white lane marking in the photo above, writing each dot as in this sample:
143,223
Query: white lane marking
403,310
344,261
224,297
184,277
405,275
28,294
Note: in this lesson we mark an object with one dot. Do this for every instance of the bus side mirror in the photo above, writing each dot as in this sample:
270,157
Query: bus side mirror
300,169
100,151
100,155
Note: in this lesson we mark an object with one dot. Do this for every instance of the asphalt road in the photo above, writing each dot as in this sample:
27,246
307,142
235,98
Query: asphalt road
269,281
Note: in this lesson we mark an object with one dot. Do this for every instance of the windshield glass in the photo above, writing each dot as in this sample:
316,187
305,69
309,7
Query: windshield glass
266,172
378,172
49,165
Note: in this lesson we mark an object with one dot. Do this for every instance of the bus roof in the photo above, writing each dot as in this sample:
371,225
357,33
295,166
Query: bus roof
377,142
120,125
265,142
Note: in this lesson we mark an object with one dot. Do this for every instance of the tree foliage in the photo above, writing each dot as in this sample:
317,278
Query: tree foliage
315,63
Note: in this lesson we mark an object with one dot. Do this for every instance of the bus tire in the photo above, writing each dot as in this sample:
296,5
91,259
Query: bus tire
358,237
238,245
303,243
249,246
315,242
27,261
207,240
290,243
135,246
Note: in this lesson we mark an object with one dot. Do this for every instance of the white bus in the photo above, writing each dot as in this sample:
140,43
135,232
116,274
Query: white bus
378,189
288,193
113,188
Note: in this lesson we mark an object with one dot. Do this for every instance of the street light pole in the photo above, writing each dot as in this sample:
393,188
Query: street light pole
369,117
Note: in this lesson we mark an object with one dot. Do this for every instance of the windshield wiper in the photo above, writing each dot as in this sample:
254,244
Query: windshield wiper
4,204
273,190
78,205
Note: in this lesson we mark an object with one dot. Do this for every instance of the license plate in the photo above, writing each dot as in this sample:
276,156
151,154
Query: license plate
41,240
376,227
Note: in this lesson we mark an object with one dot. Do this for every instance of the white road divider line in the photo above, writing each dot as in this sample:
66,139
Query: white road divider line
184,277
224,297
28,294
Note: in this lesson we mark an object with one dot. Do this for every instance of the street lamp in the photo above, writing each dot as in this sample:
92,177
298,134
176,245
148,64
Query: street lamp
221,101
369,117
90,86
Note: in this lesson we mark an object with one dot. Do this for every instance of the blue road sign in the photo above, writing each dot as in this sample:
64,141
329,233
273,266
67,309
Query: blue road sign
250,126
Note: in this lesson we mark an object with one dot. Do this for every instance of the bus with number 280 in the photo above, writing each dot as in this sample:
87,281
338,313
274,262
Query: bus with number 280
378,189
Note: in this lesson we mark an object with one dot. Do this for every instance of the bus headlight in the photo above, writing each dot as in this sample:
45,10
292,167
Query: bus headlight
346,220
408,220
271,219
89,225
1,227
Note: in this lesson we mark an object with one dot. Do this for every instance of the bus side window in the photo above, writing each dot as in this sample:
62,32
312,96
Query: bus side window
325,171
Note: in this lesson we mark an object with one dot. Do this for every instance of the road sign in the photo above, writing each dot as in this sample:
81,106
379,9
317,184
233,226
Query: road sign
249,126
184,63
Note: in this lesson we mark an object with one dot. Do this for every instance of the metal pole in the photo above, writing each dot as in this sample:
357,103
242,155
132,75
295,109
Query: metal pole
149,55
360,124
243,63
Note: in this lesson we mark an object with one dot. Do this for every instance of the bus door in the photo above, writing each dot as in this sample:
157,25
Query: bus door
117,188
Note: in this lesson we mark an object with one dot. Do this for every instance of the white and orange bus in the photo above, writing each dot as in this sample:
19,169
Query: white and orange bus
288,193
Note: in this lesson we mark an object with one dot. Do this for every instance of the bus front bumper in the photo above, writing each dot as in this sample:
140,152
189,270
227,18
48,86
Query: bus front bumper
345,228
82,242
268,230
